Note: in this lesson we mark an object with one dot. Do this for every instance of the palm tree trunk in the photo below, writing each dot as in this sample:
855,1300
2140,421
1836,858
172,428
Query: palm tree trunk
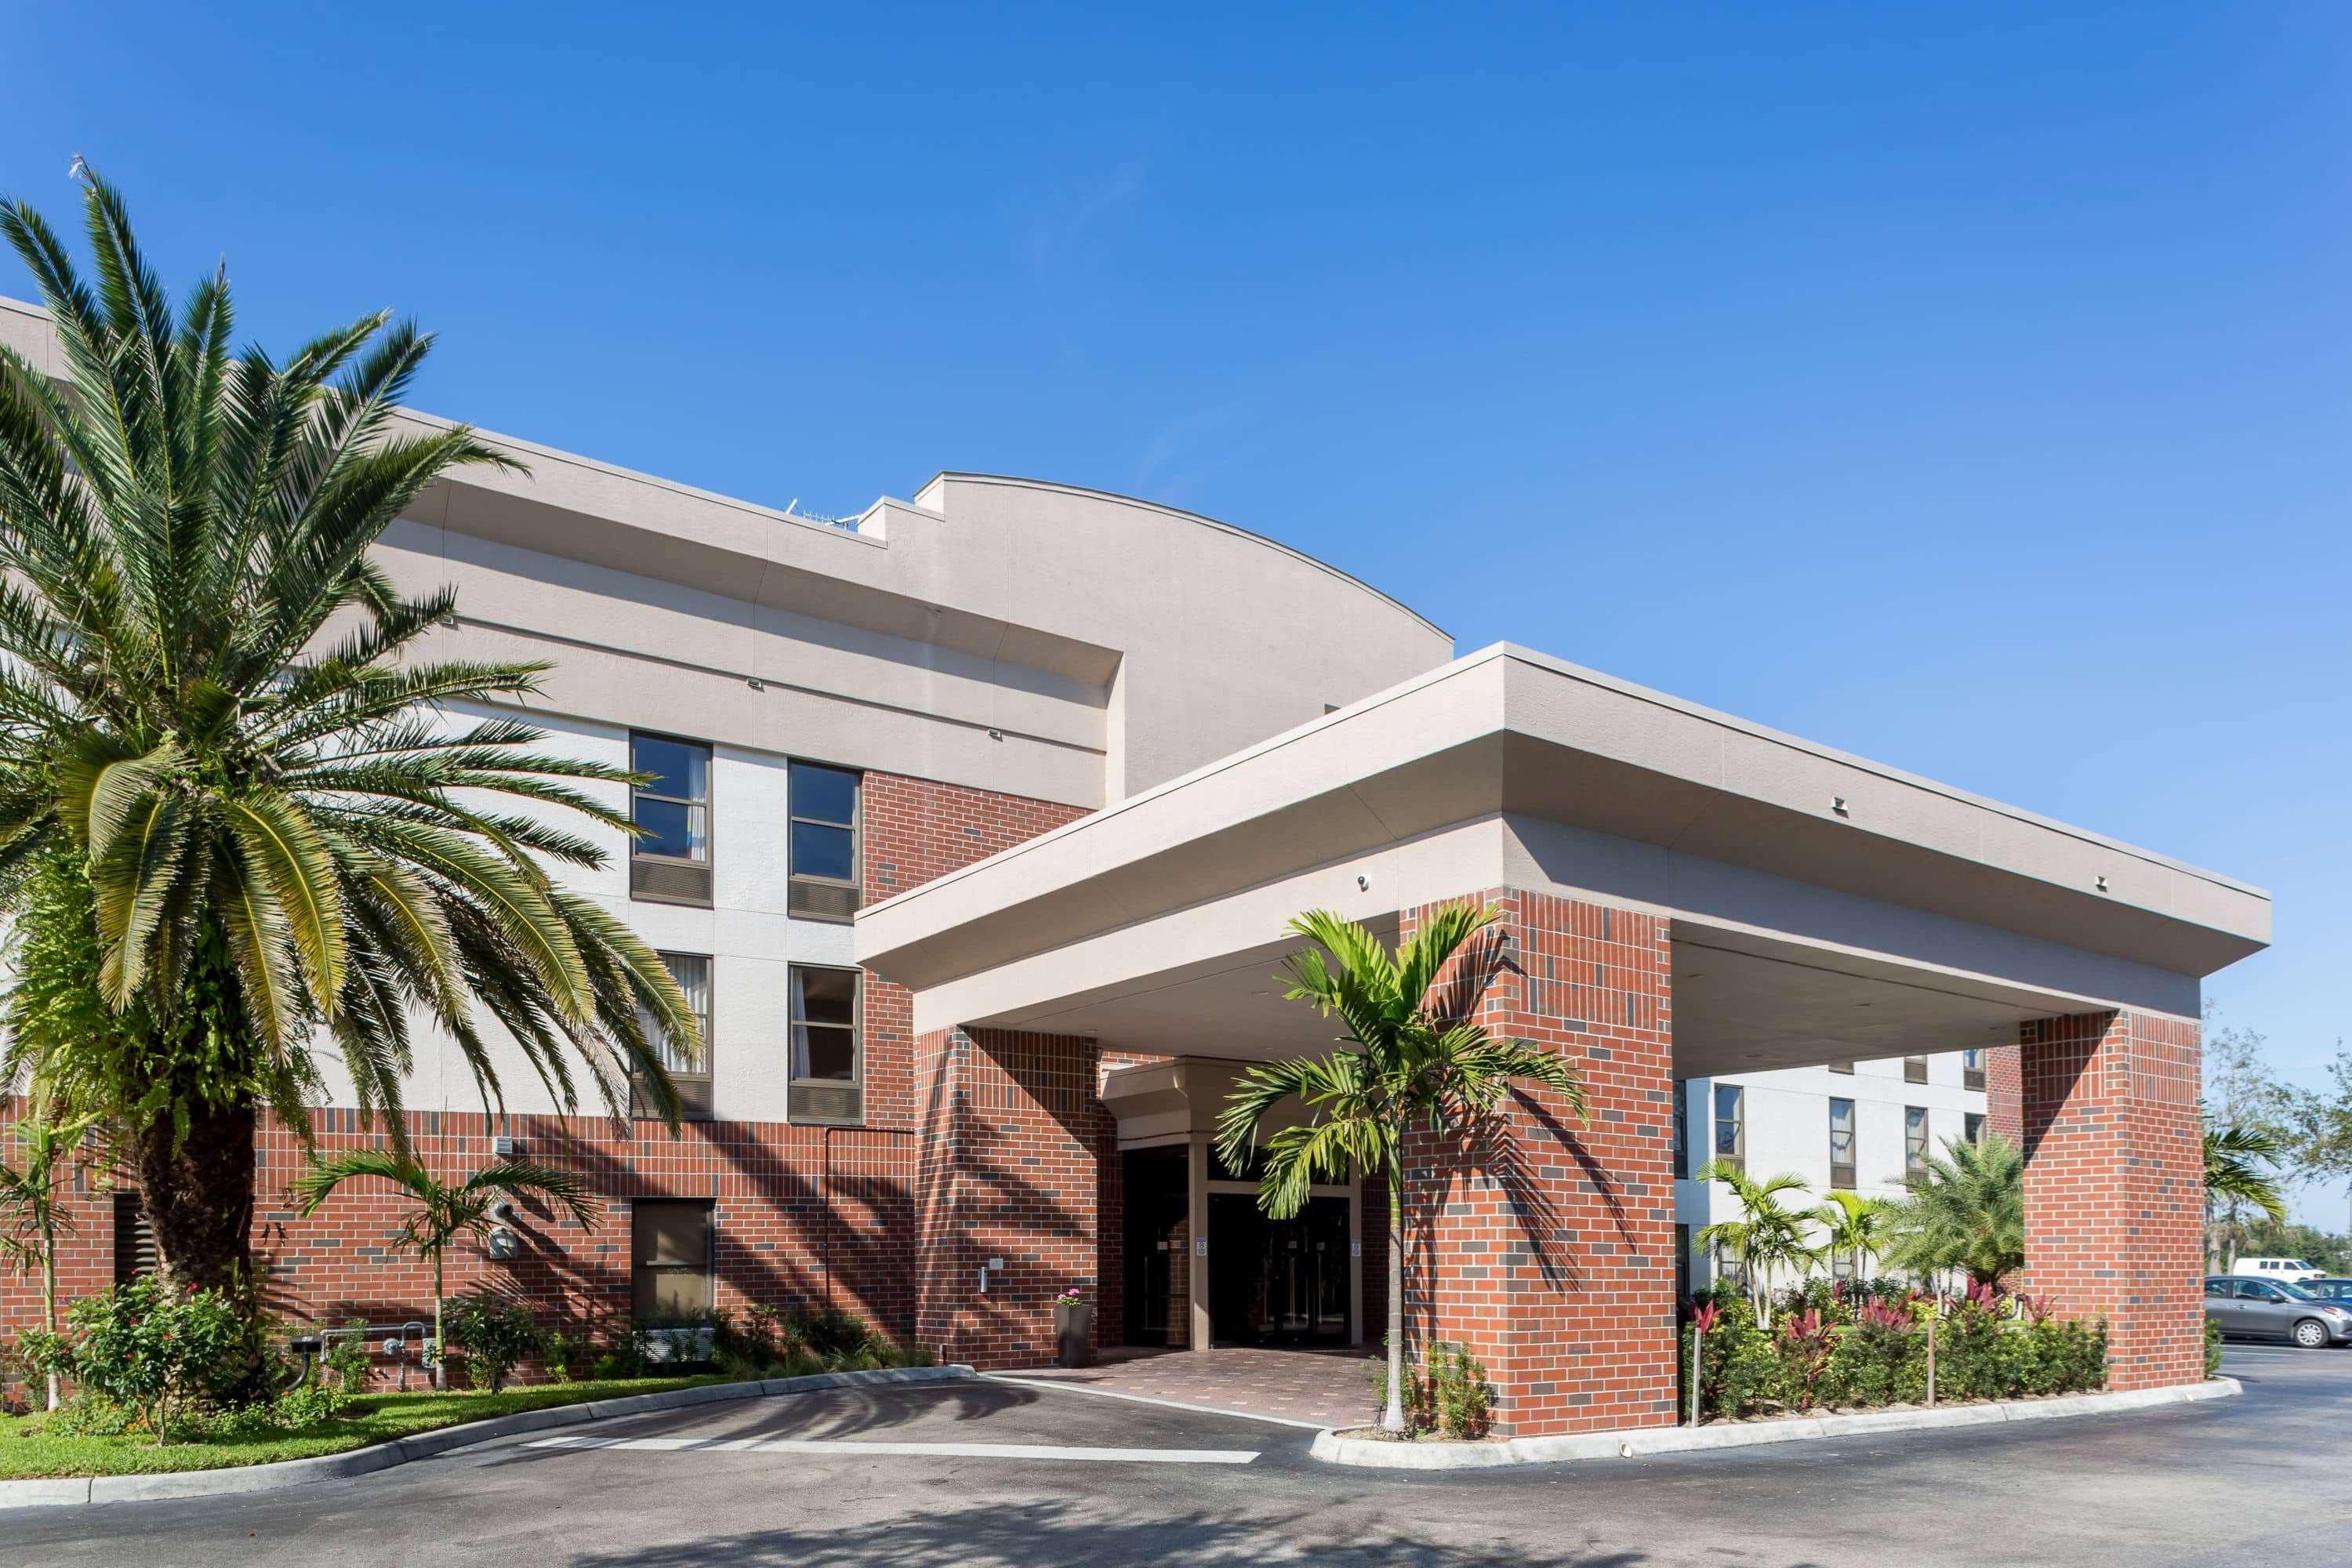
49,1294
440,1346
198,1195
1392,1418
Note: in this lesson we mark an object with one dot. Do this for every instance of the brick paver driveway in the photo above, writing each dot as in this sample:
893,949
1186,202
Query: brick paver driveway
1327,1388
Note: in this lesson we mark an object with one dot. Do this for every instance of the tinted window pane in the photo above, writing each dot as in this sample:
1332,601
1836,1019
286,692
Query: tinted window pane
672,1234
827,794
670,828
827,1054
2217,1287
826,996
819,851
678,768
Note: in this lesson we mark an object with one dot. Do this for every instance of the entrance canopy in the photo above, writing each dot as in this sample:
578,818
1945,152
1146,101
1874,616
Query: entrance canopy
1823,907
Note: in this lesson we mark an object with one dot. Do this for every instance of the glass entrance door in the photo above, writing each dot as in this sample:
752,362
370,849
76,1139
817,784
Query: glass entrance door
1278,1281
1156,1200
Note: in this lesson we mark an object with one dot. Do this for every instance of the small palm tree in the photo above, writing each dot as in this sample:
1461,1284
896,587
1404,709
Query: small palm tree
443,1212
2234,1157
1852,1226
1412,1063
224,741
1768,1235
1967,1211
33,1212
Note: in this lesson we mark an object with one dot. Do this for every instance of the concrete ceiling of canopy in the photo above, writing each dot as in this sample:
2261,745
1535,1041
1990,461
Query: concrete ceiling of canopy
1747,1004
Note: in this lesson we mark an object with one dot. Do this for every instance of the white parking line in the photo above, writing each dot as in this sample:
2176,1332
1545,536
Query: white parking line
910,1451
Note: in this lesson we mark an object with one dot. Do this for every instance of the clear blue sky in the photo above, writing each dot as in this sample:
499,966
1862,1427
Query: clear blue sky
1967,390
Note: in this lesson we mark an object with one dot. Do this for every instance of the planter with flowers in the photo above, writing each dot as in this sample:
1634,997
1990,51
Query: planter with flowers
1074,1328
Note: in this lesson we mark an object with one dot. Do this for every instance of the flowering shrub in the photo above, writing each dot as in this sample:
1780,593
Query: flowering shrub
144,1350
1849,1346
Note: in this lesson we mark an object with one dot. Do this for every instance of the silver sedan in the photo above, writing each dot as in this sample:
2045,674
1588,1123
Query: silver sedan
2274,1310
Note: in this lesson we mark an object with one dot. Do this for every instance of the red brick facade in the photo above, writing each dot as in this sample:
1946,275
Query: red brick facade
1551,1253
2114,1193
802,1214
2004,1093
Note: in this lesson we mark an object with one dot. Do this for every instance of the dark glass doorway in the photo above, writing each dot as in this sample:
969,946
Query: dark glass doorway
1274,1282
1154,1195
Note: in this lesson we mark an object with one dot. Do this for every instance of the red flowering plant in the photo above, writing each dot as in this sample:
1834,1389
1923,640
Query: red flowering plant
1806,1341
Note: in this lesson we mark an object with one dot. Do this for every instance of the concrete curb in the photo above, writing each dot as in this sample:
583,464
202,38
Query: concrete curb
48,1491
1635,1442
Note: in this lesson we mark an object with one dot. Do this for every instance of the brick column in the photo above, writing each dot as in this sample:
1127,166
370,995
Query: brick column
1551,1252
2114,1185
1008,1167
2004,1093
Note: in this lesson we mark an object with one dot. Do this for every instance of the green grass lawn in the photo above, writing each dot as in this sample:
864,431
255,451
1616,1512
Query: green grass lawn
374,1418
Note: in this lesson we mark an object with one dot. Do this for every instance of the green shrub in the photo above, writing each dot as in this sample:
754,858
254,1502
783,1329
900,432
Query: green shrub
1457,1392
2213,1348
1880,1359
346,1360
494,1332
153,1350
90,1415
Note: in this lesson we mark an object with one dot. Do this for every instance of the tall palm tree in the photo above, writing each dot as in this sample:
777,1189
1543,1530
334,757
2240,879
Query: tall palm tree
444,1212
34,1212
1768,1235
1852,1226
1406,1061
2234,1157
217,708
1966,1212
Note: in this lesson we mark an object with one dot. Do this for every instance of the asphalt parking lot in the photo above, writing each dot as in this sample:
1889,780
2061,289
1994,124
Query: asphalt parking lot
988,1473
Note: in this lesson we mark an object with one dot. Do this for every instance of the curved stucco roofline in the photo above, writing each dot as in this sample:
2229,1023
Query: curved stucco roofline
1087,492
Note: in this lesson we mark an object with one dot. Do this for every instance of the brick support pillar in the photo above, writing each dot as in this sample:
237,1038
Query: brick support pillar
2004,1093
1550,1253
1008,1167
2114,1193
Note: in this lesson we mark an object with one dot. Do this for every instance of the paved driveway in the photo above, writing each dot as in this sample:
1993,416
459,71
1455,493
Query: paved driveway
2258,1479
1324,1388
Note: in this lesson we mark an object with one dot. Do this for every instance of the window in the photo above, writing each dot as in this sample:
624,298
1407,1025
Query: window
1972,1068
1914,1143
1840,1142
2217,1288
1682,1128
1730,1126
670,860
1845,1068
669,1259
2259,1290
1914,1069
828,1070
1974,1128
1682,1262
823,882
692,973
134,1237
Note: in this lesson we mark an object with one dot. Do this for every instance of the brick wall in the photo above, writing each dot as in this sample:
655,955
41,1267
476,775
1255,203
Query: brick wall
1551,1252
1010,1163
2114,1194
803,1214
2004,1093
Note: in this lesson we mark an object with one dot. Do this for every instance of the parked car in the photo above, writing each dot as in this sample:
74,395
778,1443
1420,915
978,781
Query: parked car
2275,1309
2294,1269
2329,1289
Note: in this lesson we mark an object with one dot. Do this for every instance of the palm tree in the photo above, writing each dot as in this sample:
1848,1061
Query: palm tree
1853,1225
1410,1062
1966,1212
33,1212
1767,1235
216,712
2234,1157
443,1213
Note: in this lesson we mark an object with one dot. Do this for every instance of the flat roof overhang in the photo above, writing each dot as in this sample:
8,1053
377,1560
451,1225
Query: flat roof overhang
1820,887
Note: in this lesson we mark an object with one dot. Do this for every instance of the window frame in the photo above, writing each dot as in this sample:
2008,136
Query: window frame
708,1076
639,1267
1853,1138
856,1027
1682,1149
1972,1072
1737,1158
1914,1069
708,864
1975,1127
1915,1160
855,828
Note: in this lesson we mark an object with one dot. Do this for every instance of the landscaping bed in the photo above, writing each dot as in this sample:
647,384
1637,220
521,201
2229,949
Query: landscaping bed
26,1451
